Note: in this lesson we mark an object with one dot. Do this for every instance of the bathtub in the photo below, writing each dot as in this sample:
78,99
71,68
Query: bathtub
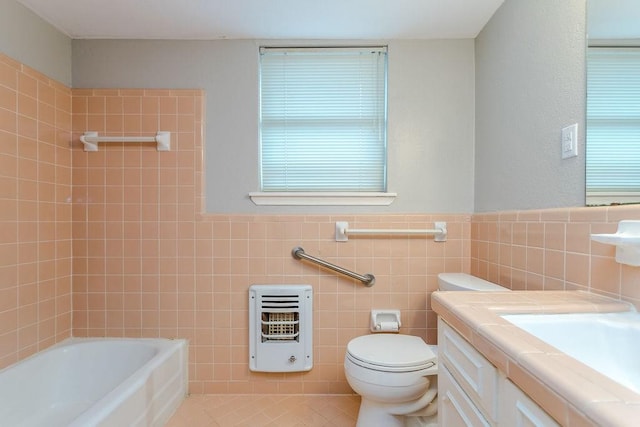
84,382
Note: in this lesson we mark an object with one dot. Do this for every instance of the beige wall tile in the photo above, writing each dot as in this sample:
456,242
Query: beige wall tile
558,249
36,249
148,263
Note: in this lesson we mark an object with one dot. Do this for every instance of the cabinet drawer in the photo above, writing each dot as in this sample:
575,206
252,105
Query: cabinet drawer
454,407
476,375
518,410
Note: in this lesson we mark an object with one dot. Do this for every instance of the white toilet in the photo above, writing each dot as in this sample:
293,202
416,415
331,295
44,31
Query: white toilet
396,375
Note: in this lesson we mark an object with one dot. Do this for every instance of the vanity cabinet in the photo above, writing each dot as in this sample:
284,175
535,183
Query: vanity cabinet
472,392
517,410
455,409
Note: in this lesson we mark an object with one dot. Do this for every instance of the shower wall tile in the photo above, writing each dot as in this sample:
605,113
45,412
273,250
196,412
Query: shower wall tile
35,211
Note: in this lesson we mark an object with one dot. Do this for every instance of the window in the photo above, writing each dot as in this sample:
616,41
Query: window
323,120
613,125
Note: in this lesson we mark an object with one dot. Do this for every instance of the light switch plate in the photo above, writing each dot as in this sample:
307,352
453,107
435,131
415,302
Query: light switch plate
569,141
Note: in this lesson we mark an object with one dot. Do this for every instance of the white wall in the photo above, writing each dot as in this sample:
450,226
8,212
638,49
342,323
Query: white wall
529,76
431,114
27,38
530,83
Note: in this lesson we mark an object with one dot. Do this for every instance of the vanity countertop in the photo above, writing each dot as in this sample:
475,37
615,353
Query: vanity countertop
572,393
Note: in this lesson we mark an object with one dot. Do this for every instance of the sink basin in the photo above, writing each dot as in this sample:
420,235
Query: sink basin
607,342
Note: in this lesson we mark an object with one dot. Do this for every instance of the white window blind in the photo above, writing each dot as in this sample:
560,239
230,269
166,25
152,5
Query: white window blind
613,124
323,119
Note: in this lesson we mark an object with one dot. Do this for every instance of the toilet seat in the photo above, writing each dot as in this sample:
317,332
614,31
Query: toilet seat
391,353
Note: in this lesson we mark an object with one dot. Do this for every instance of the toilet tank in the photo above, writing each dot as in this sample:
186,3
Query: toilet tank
465,282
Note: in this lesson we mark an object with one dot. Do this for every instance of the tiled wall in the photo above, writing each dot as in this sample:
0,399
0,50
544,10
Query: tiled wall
147,262
35,211
552,249
133,212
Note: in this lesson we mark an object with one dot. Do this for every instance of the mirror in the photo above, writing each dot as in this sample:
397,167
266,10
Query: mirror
613,109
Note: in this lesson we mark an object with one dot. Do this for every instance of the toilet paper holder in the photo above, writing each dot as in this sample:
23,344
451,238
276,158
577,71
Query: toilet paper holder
385,321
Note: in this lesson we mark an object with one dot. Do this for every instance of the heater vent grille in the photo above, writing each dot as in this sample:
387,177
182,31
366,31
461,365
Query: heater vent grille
280,323
280,320
280,301
280,326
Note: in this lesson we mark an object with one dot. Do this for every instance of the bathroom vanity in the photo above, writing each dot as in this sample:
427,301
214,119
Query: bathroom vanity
473,391
493,373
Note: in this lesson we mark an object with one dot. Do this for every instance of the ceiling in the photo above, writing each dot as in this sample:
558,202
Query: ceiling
266,19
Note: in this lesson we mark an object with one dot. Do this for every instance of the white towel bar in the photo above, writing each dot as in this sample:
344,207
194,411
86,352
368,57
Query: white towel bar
343,231
91,140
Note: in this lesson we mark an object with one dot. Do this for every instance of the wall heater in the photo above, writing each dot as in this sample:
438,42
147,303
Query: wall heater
280,328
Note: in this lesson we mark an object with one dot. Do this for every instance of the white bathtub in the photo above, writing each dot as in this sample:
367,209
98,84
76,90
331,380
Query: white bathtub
84,382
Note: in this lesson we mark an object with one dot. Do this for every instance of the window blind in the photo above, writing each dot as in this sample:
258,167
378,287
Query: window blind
613,121
323,119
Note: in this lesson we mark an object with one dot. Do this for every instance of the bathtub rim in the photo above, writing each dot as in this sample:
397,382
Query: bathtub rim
108,403
127,388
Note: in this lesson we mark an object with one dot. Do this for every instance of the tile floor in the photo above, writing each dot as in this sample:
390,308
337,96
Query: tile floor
267,411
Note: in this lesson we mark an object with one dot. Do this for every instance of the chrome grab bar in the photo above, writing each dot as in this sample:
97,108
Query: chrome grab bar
368,279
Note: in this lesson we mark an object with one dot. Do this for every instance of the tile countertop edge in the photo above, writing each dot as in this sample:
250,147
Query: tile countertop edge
571,392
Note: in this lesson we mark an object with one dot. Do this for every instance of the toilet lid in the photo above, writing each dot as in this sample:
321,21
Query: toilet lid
391,352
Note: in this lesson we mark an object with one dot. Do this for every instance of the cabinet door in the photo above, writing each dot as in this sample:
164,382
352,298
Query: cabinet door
518,410
455,409
476,375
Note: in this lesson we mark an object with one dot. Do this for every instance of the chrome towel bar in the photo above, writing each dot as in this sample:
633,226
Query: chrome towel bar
367,279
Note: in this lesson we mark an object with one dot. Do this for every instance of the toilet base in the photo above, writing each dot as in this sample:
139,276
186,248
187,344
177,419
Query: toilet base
411,421
374,414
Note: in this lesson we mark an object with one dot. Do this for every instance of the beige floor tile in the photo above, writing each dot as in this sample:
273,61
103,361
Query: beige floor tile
267,411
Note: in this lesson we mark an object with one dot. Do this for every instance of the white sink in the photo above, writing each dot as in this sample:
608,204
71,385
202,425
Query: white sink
607,342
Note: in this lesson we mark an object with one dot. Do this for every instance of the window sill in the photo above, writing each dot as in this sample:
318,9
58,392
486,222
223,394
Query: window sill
612,198
321,199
